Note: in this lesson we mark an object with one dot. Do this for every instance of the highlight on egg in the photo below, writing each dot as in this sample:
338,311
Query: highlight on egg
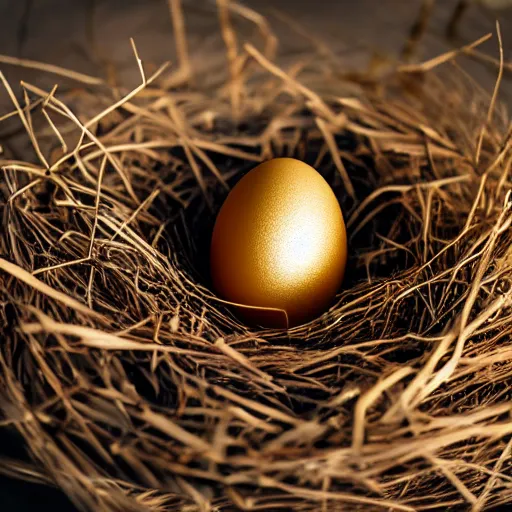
279,245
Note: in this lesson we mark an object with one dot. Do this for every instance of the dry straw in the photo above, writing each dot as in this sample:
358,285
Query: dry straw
133,388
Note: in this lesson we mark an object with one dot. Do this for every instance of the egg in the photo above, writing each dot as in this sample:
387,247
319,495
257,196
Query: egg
279,245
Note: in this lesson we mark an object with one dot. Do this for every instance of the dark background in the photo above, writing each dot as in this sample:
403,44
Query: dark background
85,35
88,35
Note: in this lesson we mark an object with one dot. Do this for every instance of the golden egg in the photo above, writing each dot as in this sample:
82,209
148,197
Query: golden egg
279,245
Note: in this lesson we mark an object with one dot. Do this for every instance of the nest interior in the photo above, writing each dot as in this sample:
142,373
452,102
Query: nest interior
132,387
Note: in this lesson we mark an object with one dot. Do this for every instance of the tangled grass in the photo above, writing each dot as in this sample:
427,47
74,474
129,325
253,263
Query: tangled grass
132,387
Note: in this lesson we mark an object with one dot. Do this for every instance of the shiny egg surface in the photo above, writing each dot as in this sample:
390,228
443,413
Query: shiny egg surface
279,245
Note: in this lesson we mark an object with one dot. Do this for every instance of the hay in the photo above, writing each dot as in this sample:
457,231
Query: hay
134,388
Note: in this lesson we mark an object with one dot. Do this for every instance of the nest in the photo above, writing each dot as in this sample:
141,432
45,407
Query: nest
132,387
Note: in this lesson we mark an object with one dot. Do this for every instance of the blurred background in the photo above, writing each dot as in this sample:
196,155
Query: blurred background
92,36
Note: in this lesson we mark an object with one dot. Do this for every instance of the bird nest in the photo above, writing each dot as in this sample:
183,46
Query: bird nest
132,387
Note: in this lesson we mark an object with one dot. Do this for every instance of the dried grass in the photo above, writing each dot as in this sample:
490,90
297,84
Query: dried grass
134,388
